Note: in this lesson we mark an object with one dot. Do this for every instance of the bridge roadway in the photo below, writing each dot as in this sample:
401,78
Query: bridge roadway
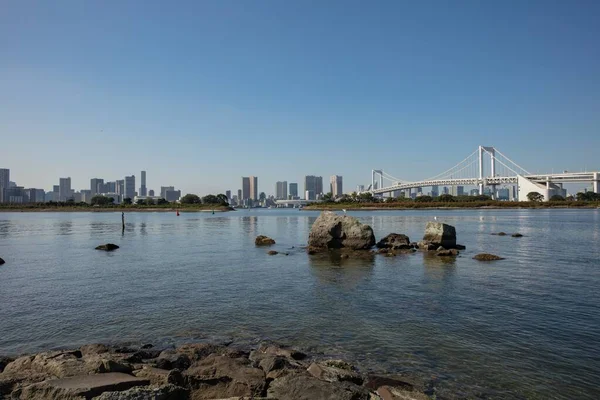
569,177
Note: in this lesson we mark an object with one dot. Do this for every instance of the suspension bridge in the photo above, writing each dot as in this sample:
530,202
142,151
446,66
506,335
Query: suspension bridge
474,170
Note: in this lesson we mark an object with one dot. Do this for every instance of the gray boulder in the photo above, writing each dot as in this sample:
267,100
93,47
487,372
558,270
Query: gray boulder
332,231
440,234
394,241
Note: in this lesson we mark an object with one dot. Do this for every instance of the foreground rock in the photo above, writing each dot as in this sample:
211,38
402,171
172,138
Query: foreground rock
86,386
262,240
107,247
332,231
439,234
394,241
193,371
487,257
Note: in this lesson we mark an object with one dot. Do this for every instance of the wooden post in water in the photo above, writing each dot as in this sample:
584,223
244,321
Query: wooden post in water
123,221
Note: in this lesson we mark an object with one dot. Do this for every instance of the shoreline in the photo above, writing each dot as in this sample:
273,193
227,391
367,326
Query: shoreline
121,209
198,370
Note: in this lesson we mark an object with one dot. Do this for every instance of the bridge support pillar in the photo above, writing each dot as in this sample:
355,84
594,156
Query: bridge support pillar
595,183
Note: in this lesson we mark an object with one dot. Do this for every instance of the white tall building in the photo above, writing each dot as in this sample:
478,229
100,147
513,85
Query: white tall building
335,185
129,188
64,189
4,181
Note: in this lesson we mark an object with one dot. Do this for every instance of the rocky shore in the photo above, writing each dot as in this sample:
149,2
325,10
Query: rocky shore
194,371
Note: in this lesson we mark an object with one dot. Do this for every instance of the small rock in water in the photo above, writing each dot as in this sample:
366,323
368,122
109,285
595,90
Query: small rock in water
1,261
272,252
501,234
487,257
447,253
517,235
107,247
394,241
262,240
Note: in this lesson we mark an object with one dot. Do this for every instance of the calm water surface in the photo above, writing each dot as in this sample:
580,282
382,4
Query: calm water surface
524,328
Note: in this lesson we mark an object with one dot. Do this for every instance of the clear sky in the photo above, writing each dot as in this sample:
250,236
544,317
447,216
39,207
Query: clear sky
202,93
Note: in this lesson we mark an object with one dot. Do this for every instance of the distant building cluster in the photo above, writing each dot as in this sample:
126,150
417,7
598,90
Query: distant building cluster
120,191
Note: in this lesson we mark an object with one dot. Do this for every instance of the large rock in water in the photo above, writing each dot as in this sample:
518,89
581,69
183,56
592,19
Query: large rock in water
332,231
440,234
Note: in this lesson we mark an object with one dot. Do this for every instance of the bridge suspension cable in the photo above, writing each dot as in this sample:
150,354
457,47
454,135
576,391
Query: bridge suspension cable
513,163
468,160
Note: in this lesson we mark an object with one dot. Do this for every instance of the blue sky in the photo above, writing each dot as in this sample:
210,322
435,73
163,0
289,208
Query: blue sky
202,93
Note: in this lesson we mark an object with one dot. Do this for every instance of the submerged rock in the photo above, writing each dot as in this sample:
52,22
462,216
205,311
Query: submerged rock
107,247
272,252
516,235
447,253
1,261
487,257
394,241
332,231
262,240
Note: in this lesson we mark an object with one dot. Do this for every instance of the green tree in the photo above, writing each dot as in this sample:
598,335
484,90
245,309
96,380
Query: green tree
424,199
327,197
223,199
557,197
150,201
101,200
446,198
190,199
535,196
162,202
588,196
127,201
210,199
262,196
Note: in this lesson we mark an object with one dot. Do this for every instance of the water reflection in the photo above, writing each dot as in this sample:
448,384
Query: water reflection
5,228
333,268
249,224
65,227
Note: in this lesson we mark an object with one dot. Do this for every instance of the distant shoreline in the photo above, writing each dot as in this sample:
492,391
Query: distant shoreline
120,209
452,206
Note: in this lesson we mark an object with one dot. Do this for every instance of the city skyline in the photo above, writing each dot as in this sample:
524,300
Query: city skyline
523,86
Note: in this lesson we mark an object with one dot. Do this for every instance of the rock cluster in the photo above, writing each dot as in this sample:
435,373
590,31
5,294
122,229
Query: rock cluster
332,231
194,371
262,240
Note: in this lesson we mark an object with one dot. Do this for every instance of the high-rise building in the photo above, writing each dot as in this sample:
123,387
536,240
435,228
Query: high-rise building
313,184
129,187
254,188
110,187
120,188
281,190
143,190
335,185
64,189
164,190
460,190
239,196
228,194
309,195
151,193
4,181
15,194
294,190
96,186
245,188
172,195
435,191
360,188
